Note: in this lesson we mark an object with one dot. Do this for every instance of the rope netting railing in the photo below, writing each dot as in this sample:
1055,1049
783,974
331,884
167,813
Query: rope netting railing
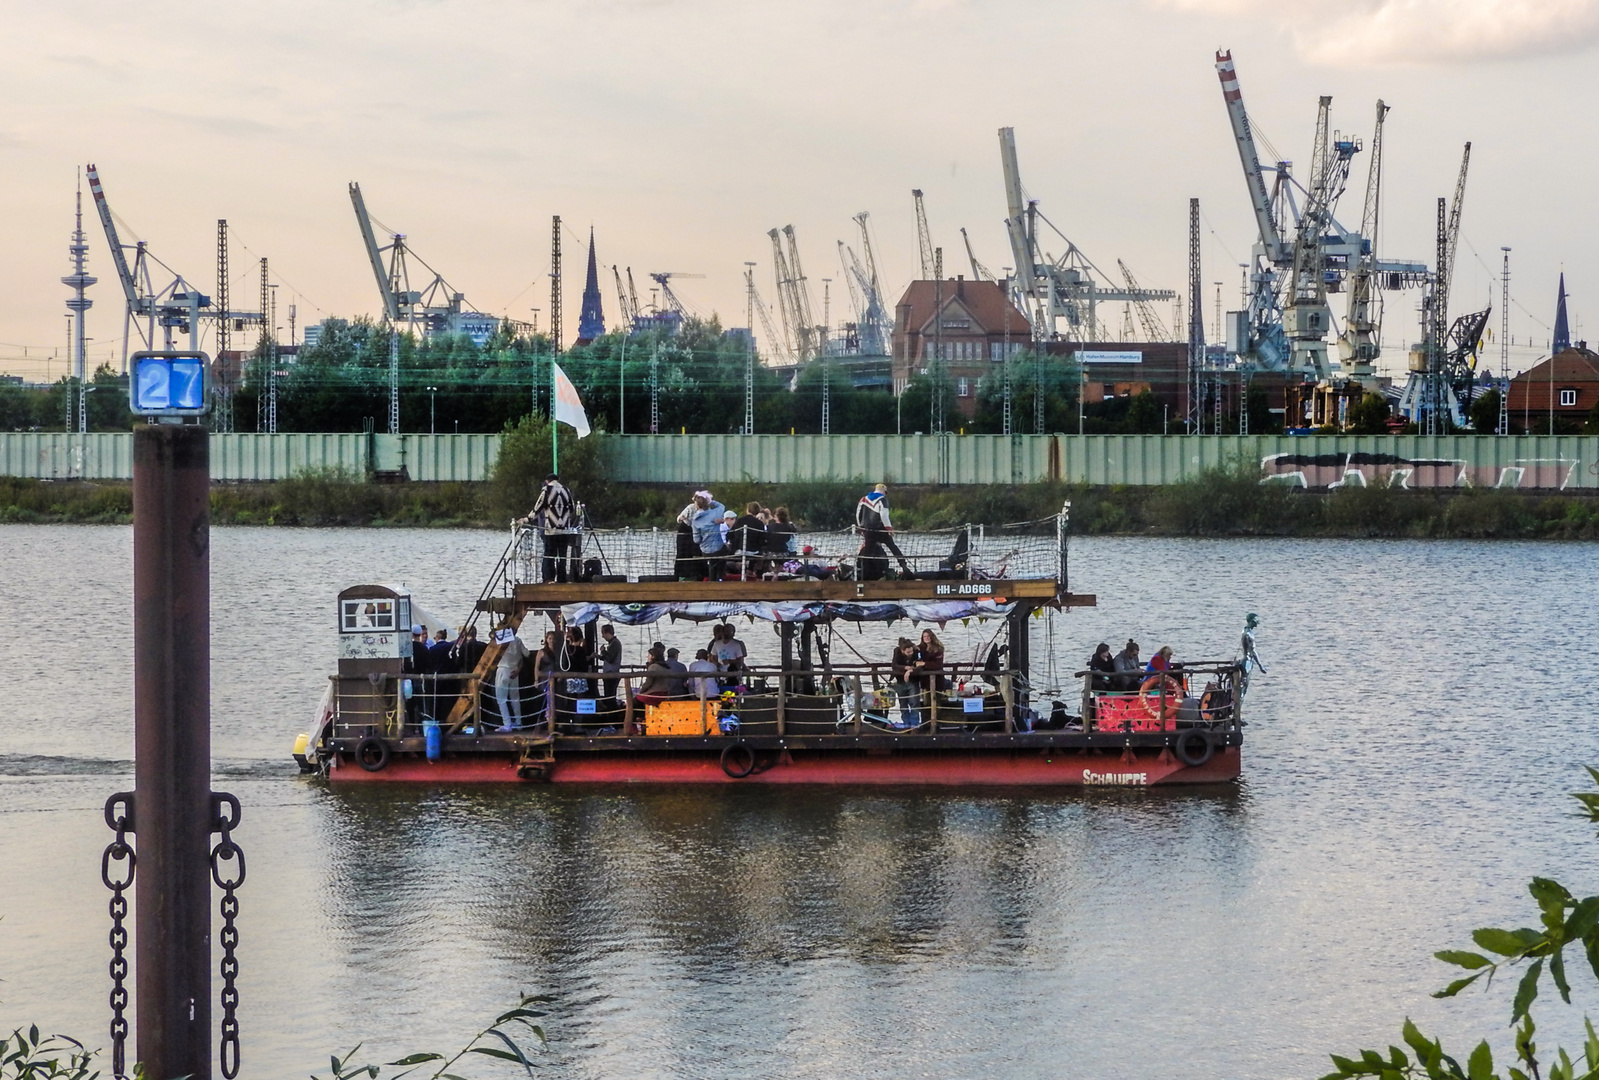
1014,550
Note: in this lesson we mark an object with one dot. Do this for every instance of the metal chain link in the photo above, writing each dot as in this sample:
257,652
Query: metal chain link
225,813
119,816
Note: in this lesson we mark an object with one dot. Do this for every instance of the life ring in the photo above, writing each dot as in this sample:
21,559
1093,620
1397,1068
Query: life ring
738,760
1191,754
372,754
1174,697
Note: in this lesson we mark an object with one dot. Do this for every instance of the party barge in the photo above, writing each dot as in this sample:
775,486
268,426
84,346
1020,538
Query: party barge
532,688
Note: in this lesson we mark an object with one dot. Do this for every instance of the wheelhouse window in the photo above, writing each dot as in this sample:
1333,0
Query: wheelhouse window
363,615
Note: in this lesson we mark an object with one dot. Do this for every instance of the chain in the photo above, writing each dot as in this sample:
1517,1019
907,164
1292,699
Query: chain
225,813
119,816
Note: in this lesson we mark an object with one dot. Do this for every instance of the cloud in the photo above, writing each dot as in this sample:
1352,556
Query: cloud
1347,32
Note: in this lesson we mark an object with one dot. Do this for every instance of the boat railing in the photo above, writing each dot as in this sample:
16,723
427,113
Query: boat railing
1206,693
1013,550
837,699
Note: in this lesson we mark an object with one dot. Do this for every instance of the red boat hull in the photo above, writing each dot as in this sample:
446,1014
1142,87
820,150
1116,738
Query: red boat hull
951,768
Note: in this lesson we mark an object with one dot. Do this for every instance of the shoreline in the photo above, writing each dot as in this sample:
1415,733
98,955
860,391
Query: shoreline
1217,505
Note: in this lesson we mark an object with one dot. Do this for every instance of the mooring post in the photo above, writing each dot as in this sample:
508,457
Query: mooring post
172,749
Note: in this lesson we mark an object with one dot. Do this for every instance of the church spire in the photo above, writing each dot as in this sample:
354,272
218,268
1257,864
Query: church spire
1562,340
591,321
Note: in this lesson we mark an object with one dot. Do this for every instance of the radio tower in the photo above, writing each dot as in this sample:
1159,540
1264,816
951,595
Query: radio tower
78,281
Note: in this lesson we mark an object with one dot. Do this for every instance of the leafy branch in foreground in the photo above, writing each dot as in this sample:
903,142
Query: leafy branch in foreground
27,1056
500,1040
1567,921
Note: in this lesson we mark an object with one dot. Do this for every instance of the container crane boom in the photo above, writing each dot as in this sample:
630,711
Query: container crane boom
924,237
1017,224
1154,329
628,314
1361,342
391,303
979,271
1446,271
1249,157
780,348
130,288
672,301
632,294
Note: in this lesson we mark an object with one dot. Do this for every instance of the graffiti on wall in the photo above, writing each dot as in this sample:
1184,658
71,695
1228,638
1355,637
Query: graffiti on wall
1360,469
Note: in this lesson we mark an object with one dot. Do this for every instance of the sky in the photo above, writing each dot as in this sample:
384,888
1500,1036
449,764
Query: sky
683,130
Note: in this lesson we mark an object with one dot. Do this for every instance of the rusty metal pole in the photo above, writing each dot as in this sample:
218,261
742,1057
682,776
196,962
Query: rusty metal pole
172,748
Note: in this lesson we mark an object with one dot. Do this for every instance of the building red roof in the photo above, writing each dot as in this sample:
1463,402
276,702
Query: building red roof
1575,365
990,309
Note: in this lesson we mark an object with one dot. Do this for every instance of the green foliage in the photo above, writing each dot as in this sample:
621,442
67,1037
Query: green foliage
1262,421
1059,378
1485,413
1370,415
26,1055
500,1041
524,462
850,411
1566,922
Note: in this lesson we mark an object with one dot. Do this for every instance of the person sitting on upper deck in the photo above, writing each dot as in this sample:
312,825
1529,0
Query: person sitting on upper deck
704,517
1105,665
781,534
1129,669
877,533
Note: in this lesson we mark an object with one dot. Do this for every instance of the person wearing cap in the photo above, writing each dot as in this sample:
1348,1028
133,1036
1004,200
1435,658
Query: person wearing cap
678,687
877,534
704,516
554,514
507,687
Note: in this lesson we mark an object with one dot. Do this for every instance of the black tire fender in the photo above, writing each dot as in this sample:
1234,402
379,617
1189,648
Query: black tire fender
738,760
372,754
1194,747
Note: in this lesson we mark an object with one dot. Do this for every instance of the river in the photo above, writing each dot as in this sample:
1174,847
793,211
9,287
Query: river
1405,770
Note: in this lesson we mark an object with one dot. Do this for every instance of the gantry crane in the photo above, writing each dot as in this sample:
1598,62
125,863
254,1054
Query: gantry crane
1070,287
629,315
1361,341
1154,329
793,296
979,271
176,308
674,303
1306,316
780,346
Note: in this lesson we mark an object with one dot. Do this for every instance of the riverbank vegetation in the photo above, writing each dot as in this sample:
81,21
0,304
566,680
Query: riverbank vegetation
1217,504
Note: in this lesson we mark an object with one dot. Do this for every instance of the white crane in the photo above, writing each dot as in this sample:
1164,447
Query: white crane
1361,341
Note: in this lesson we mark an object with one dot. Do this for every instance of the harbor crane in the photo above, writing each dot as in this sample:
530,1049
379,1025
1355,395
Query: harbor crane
176,308
1154,329
623,300
1047,288
874,324
979,271
674,303
437,306
1324,252
793,297
1360,343
780,346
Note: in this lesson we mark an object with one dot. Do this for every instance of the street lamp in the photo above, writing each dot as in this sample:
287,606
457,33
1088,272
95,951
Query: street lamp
432,390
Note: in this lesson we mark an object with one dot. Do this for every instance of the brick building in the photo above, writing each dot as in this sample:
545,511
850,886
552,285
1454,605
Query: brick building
976,326
1565,386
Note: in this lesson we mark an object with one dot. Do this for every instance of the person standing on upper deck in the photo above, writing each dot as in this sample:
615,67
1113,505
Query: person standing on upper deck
555,516
703,516
877,531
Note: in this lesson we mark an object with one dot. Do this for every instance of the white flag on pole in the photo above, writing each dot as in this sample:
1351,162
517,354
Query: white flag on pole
568,406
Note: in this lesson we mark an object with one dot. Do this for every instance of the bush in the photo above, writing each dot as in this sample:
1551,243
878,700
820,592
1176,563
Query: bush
524,462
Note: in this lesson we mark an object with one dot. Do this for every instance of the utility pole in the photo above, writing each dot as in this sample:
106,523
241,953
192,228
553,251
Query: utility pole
224,392
555,286
749,349
655,389
1196,325
827,366
1437,325
936,397
1503,427
272,373
262,392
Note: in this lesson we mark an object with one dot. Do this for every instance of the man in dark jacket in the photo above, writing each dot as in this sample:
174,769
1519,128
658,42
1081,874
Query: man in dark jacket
555,516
